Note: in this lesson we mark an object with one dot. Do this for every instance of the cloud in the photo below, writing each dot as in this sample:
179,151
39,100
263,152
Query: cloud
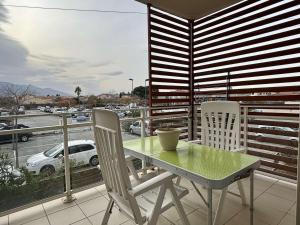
114,73
101,64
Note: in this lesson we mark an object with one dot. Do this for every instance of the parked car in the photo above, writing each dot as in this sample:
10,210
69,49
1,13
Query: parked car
136,128
259,136
23,137
47,162
82,118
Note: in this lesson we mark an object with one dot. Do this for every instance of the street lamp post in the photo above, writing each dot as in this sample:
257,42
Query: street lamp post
131,86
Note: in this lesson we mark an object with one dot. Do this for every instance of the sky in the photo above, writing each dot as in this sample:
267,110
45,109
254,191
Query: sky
64,49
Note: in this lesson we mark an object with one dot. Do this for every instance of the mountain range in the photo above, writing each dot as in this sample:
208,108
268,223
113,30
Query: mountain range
33,89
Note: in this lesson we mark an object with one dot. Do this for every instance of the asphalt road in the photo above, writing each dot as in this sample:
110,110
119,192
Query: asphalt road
40,142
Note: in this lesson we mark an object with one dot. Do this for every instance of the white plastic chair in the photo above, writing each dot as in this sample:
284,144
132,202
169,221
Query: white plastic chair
144,202
220,129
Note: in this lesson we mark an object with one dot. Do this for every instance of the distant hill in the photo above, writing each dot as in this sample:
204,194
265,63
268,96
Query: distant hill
34,89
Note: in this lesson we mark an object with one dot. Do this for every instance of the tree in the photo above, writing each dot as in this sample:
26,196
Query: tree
92,101
140,91
78,92
17,95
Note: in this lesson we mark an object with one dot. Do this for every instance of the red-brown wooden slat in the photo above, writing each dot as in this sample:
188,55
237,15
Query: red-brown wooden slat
169,39
156,87
169,53
172,94
164,80
170,100
273,156
166,31
169,46
279,166
171,25
292,176
170,18
171,60
171,67
272,140
274,132
273,123
272,148
267,98
166,73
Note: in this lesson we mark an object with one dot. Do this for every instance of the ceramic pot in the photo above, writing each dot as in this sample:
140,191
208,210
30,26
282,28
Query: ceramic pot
168,138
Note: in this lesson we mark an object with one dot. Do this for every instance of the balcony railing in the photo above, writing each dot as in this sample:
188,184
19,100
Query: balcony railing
277,148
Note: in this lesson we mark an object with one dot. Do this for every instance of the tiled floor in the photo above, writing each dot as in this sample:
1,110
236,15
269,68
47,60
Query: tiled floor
274,205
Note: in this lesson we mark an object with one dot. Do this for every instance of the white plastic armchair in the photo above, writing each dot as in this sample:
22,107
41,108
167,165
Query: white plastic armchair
144,202
221,129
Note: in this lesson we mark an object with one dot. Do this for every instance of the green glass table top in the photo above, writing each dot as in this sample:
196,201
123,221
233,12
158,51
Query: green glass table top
198,159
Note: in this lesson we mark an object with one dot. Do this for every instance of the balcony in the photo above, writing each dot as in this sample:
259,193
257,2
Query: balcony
275,204
251,59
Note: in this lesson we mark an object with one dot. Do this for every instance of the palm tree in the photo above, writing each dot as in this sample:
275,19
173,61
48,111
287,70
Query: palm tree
78,91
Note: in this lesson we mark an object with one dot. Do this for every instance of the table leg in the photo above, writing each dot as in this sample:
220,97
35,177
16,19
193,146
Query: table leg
251,197
209,207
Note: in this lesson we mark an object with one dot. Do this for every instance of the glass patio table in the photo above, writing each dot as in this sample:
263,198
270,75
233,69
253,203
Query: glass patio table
214,169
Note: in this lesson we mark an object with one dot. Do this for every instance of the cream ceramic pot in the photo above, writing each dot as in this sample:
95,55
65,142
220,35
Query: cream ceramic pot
168,138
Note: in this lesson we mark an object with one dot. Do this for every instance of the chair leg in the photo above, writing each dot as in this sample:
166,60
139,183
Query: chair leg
132,169
157,207
220,206
242,192
178,206
107,212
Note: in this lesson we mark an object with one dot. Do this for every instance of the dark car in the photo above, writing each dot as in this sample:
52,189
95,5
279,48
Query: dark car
23,137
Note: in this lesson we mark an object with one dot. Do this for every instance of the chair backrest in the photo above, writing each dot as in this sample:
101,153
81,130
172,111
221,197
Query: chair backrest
220,125
110,152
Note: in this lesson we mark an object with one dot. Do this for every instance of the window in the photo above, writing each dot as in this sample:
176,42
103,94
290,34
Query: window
83,148
136,124
73,149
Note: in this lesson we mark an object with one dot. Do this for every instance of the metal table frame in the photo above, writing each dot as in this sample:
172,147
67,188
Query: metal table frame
198,178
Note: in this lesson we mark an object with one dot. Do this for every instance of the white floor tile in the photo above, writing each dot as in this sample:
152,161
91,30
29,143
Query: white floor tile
87,195
116,218
27,215
94,206
56,205
41,221
83,222
4,220
288,220
66,216
284,190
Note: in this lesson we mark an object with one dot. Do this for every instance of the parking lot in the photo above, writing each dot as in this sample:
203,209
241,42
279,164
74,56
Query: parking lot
42,141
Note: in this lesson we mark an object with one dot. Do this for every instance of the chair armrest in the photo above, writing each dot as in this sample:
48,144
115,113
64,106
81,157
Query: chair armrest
195,141
151,184
129,157
241,150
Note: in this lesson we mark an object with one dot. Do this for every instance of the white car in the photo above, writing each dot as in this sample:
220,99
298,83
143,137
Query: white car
47,162
136,128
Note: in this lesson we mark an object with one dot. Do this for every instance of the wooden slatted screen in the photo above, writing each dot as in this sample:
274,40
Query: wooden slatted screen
251,53
169,68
